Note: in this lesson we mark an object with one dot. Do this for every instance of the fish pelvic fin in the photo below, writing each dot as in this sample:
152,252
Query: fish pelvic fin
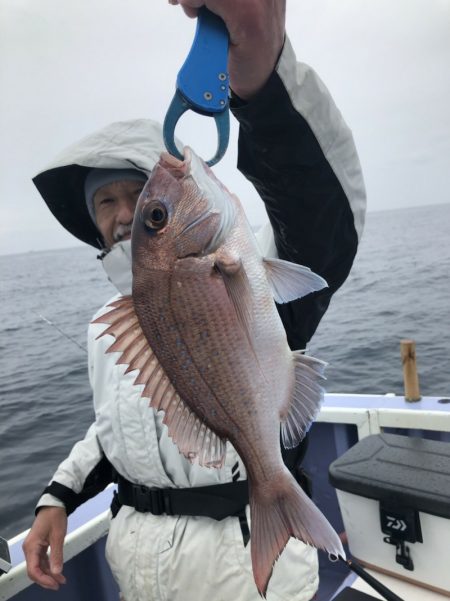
280,509
290,281
193,438
306,400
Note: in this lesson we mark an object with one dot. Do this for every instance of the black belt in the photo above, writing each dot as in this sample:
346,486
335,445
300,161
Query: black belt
217,501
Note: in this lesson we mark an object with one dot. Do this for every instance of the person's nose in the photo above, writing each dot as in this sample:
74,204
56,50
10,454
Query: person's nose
126,209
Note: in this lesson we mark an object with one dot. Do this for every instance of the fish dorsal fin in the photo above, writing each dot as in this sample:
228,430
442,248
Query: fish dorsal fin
306,401
193,438
290,281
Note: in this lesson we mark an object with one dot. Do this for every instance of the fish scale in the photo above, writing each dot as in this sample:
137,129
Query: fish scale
226,373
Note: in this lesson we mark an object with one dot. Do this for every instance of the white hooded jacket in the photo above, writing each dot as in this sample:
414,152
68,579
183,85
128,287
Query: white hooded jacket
179,558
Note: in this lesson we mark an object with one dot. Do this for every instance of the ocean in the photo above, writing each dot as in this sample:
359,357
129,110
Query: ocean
399,288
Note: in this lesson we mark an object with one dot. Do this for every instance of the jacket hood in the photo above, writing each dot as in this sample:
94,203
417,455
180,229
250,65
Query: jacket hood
135,144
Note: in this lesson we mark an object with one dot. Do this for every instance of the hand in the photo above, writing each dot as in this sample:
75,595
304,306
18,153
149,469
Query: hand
48,530
256,29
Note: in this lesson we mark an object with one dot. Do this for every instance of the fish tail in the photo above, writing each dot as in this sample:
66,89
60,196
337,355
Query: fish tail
280,509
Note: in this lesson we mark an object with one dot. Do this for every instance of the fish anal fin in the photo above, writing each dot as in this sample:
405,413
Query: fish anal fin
290,281
279,510
298,415
193,438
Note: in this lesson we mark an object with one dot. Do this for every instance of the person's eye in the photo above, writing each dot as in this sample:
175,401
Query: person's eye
105,201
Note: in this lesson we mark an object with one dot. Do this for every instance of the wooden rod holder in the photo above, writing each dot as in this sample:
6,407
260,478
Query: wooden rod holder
410,377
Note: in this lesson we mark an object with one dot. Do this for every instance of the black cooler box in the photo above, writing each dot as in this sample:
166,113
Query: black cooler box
394,496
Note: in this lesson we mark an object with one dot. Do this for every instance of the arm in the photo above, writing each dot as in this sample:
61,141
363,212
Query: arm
84,473
79,477
48,530
256,29
296,149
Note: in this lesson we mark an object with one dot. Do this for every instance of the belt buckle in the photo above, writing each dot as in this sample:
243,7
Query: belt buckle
142,499
157,501
150,500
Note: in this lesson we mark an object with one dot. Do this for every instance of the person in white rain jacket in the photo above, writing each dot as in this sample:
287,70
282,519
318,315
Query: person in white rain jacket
298,152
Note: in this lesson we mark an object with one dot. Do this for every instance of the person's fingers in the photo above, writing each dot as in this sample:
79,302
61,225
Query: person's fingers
45,566
190,8
48,530
35,562
60,578
56,552
190,12
192,3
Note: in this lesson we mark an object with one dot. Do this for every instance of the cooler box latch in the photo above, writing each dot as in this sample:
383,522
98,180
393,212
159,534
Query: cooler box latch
401,525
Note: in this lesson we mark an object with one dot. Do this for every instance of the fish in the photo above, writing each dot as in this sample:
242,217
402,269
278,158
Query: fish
202,329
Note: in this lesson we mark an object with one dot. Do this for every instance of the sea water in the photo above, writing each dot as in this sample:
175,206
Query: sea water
399,287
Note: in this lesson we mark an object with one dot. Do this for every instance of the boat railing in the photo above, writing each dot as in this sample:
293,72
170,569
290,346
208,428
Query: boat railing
369,414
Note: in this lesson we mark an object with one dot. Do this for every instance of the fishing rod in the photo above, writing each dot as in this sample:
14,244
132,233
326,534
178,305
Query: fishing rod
51,323
373,582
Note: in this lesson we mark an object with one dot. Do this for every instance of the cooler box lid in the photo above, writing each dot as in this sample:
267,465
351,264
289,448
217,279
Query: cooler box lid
392,468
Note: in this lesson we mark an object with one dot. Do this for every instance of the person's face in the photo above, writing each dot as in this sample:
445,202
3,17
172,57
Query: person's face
114,206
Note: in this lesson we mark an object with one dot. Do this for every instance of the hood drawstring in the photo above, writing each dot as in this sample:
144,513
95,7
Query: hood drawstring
117,265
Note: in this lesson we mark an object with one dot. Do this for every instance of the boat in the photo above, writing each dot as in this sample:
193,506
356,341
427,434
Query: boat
344,420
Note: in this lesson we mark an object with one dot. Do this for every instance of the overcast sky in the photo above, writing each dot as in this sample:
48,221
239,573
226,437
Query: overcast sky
67,68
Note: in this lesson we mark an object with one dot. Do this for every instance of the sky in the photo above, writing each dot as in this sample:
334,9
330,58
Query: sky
68,68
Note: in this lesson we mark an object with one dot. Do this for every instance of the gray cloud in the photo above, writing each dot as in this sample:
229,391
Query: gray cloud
68,68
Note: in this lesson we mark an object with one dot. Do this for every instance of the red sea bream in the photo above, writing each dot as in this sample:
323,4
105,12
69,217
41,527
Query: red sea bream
203,330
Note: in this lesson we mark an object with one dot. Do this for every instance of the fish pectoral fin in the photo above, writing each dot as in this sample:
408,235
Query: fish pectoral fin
306,400
228,263
290,281
237,285
193,438
239,291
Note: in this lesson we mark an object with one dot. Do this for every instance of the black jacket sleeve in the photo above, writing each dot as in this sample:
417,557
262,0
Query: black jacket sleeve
301,180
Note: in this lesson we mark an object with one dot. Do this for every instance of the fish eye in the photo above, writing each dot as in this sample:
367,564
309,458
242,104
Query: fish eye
155,215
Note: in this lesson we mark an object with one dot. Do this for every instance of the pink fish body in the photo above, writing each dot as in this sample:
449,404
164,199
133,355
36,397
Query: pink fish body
203,329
